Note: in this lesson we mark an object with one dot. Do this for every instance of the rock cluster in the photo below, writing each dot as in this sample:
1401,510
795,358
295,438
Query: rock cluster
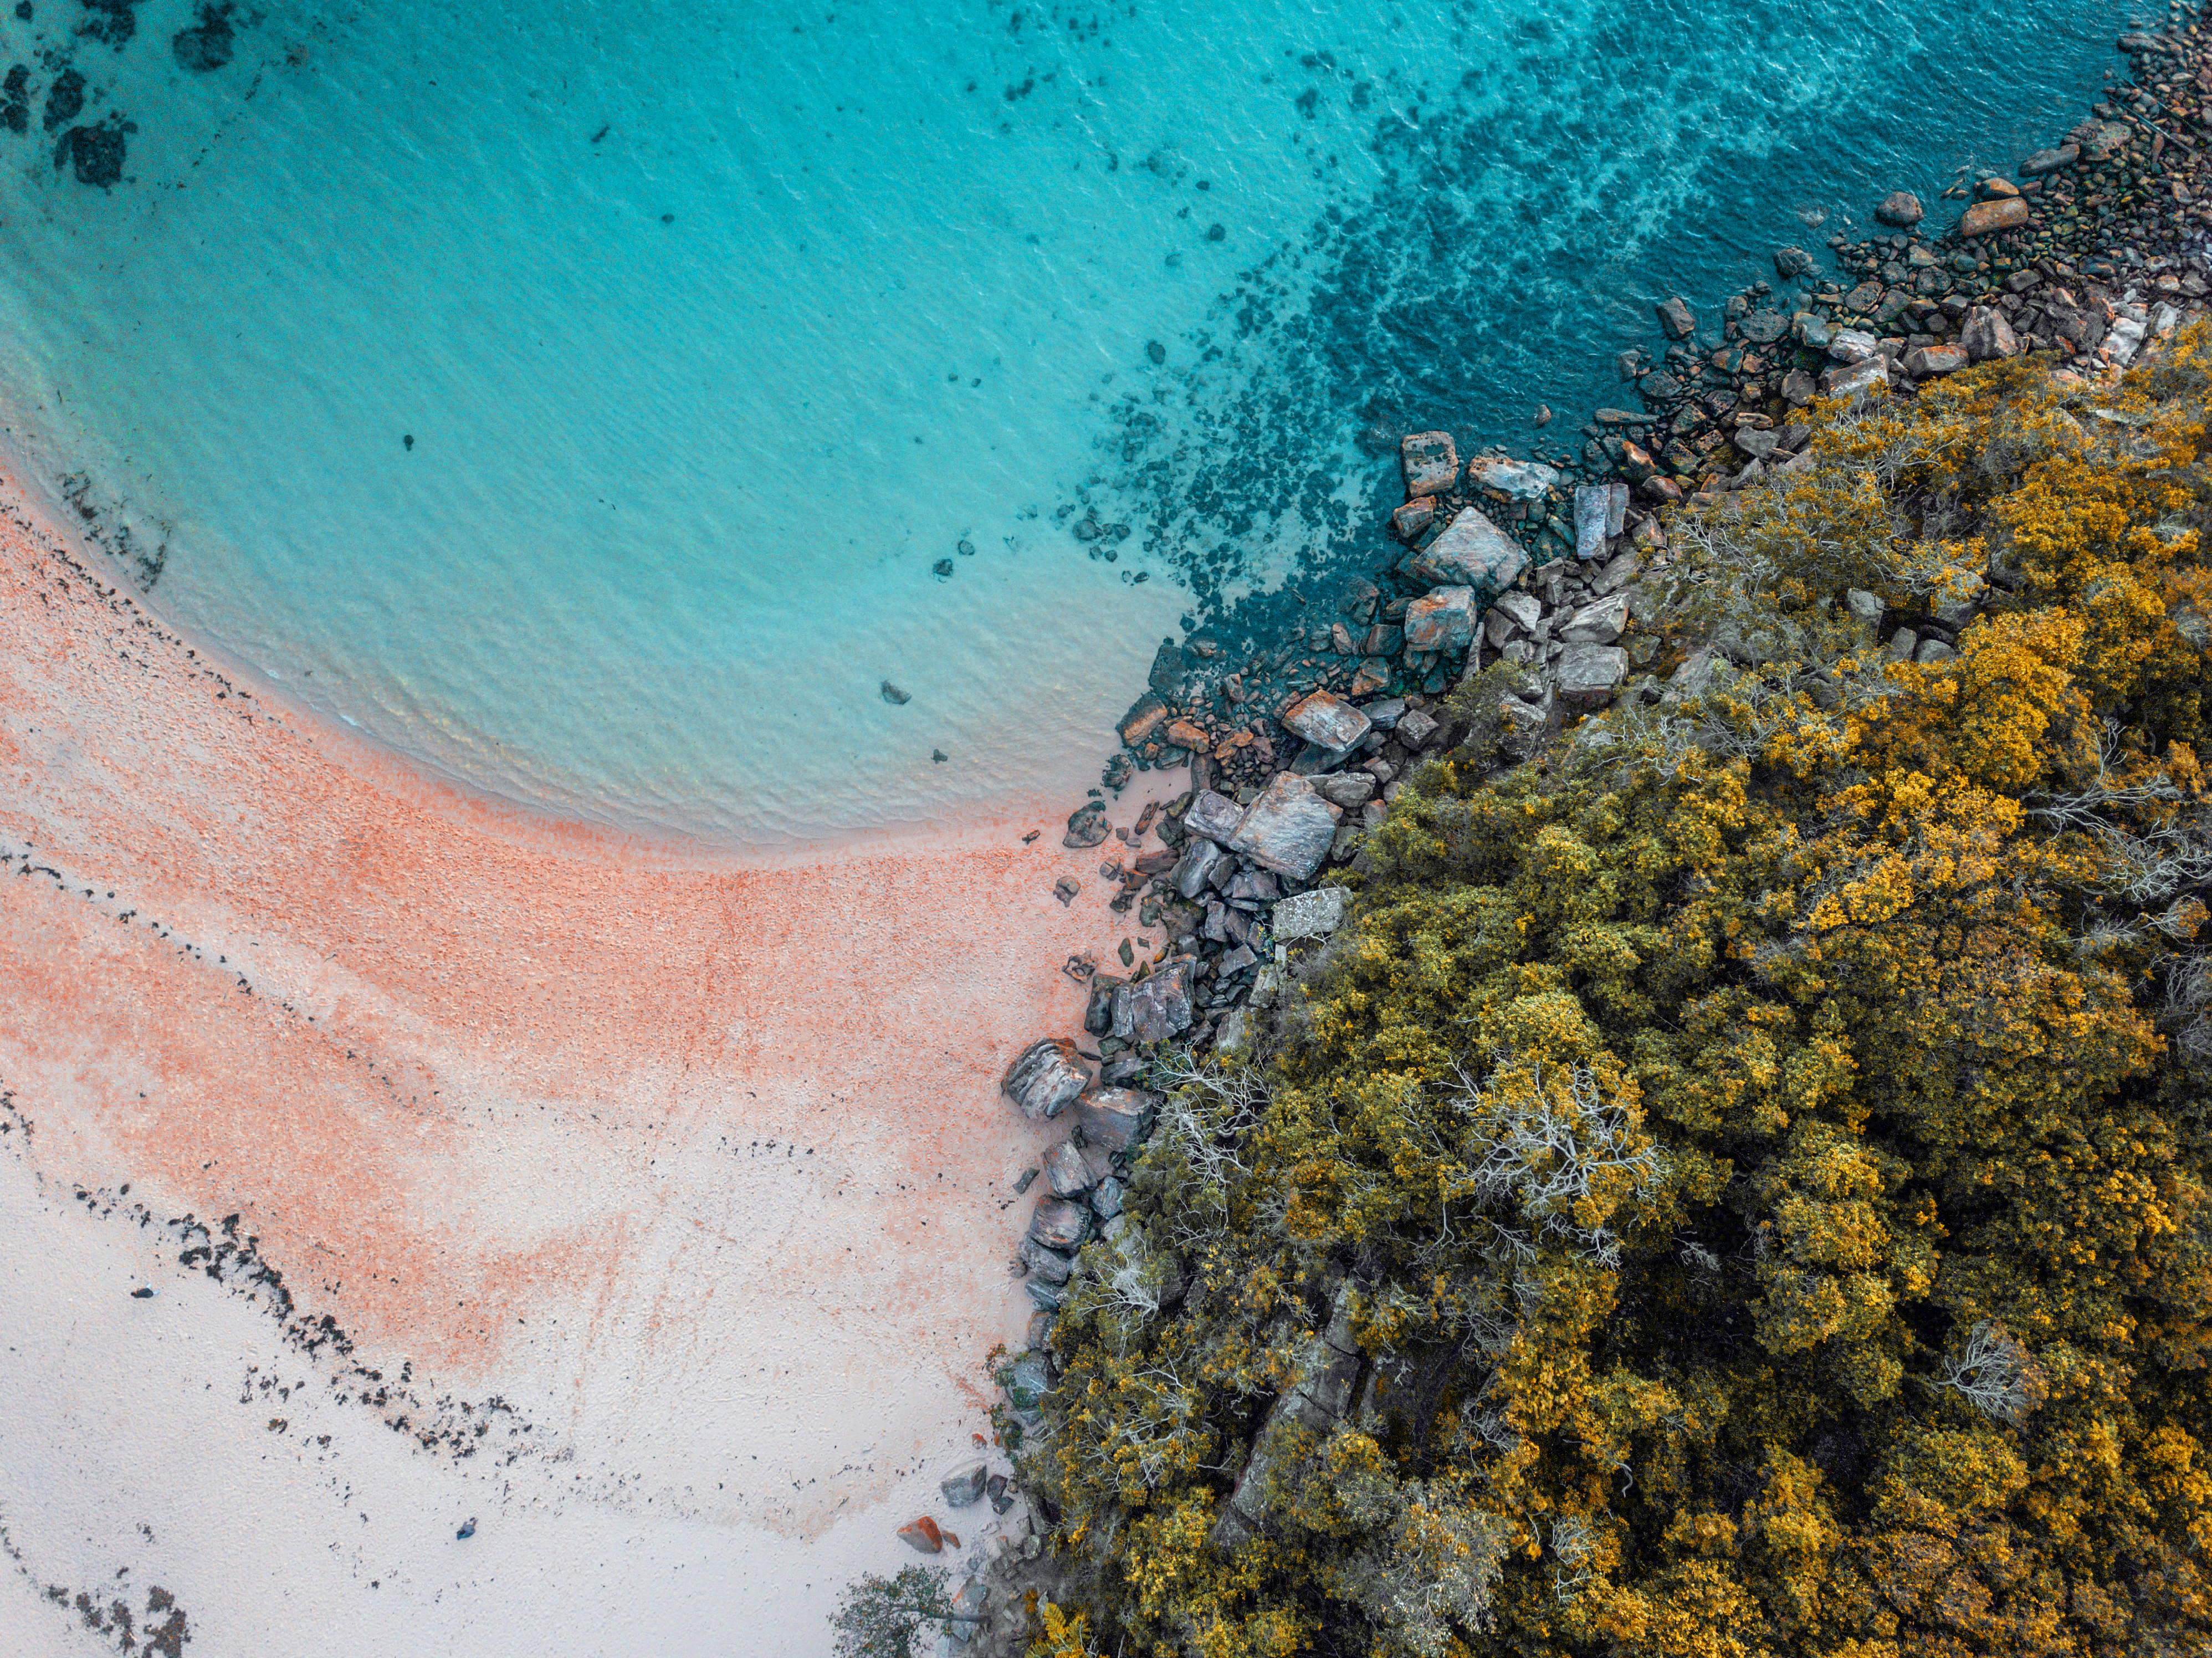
1547,572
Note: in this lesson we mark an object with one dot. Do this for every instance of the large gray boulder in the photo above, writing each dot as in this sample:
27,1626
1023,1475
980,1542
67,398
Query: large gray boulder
1598,623
1517,480
1113,1118
1588,675
1313,914
1045,1078
1067,1173
1214,816
1201,866
1059,1223
1472,552
1599,509
1326,720
1986,334
1441,621
1156,1008
1054,1267
1288,828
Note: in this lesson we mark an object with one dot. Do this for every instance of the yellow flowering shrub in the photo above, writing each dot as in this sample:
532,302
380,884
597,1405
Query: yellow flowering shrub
1739,1185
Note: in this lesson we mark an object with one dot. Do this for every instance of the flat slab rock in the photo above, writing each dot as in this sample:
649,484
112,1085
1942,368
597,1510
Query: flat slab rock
1472,552
1517,480
1045,1078
1313,914
1327,720
1288,828
1214,816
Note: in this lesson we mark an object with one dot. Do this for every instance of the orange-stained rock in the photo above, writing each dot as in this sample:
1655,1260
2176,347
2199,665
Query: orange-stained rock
2006,213
924,1535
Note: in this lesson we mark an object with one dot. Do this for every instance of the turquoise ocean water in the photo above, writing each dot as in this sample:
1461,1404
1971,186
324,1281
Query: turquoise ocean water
601,401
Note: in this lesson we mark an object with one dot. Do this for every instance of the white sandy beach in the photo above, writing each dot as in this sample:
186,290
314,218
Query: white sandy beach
673,1188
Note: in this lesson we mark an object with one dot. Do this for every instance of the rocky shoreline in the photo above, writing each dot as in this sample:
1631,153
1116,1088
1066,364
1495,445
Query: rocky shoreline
1549,579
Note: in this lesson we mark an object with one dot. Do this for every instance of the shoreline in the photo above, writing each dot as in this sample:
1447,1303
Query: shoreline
673,1181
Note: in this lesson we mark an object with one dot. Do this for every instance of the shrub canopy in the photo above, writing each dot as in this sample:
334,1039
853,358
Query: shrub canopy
1739,1186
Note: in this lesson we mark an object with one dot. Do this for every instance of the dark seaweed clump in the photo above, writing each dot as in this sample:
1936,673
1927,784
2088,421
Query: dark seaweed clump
15,99
112,22
64,98
209,43
96,152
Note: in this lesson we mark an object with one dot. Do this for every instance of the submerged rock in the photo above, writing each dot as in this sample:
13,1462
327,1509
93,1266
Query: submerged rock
1520,480
1431,463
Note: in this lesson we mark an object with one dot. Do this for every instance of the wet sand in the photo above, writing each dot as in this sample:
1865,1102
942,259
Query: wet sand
694,1161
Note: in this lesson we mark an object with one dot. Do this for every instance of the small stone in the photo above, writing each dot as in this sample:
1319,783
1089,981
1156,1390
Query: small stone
1313,914
1797,388
1439,620
1853,379
1542,417
1994,188
1417,726
1986,218
1146,715
1184,735
1045,1078
1790,263
922,1535
1106,1196
1676,317
1202,860
967,1610
1596,624
1329,721
1157,1008
1899,207
1065,888
1595,513
1086,825
1520,480
965,1487
2050,160
1348,789
1431,463
892,694
1849,345
1765,327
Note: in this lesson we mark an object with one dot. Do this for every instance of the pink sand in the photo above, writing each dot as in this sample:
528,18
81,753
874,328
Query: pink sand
698,1161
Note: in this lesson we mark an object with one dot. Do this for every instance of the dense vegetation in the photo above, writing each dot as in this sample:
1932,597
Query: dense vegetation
1740,1186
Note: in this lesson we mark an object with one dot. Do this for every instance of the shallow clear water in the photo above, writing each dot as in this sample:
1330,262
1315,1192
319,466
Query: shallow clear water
716,327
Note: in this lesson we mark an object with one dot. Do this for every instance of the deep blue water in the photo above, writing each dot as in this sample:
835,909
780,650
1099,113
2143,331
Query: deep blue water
600,401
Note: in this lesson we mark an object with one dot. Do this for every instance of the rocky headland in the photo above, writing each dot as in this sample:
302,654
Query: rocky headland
1527,594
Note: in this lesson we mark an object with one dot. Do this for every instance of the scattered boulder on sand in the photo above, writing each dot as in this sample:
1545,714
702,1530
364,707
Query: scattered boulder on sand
1046,1079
